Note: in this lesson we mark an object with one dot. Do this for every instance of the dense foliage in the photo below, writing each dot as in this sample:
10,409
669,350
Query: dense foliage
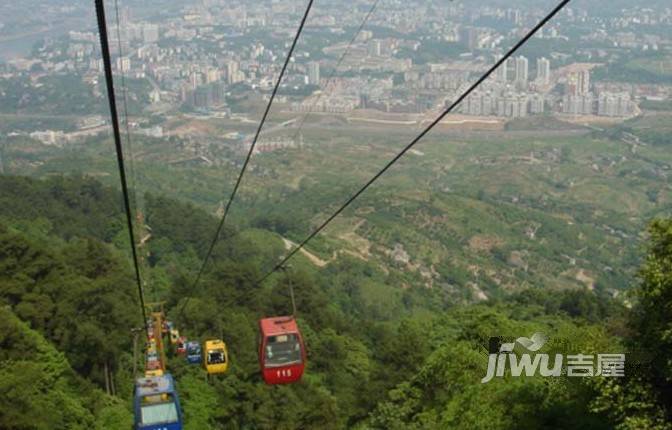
379,356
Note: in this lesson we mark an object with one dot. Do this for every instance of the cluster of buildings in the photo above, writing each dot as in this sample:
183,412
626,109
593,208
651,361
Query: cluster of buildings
274,144
512,94
329,104
579,99
198,58
86,126
502,104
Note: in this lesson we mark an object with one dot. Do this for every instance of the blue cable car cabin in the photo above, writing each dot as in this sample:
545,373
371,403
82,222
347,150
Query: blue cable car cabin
194,355
157,405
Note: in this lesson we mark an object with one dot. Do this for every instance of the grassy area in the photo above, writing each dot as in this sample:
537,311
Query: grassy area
660,66
657,105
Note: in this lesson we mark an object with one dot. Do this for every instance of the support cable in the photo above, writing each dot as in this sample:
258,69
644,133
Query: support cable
338,64
105,49
396,158
251,150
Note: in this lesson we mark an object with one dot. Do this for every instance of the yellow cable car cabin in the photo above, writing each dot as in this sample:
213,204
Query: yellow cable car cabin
174,335
215,357
152,347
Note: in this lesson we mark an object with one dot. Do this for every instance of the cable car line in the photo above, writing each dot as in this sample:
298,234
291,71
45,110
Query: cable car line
338,64
251,150
396,158
125,106
291,289
107,63
131,159
137,201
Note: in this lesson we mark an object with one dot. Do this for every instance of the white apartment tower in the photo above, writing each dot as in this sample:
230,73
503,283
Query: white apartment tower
314,73
583,84
522,70
543,71
501,73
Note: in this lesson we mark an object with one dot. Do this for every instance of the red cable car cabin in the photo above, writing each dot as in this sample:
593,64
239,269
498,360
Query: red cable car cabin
282,355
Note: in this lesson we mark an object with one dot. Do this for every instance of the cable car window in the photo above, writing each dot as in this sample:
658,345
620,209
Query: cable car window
216,356
193,349
158,413
282,350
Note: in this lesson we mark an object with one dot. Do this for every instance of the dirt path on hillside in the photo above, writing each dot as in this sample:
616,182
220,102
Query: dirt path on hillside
312,257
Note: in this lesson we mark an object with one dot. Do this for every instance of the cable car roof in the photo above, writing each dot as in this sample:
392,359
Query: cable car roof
154,385
278,325
216,343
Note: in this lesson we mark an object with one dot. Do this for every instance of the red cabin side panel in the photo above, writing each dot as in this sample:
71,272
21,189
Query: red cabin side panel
283,375
280,374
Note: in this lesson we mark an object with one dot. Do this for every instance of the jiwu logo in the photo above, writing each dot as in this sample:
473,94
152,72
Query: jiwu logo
497,362
577,365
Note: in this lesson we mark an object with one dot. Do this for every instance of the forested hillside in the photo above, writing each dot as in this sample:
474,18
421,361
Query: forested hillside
381,355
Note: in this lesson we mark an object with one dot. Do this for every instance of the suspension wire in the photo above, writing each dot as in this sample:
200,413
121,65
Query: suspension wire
338,64
133,179
291,289
250,151
459,100
105,49
131,159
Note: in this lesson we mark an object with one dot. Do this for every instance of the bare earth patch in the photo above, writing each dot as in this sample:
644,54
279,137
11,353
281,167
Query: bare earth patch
485,243
312,257
583,277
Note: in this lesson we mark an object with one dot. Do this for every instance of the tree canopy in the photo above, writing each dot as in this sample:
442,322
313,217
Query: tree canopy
380,356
